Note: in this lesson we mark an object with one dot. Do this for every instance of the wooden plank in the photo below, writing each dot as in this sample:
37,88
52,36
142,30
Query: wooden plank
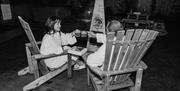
23,71
135,38
152,36
35,68
124,84
29,34
138,80
108,52
30,64
128,36
106,83
130,50
123,52
120,35
137,47
69,71
43,79
88,76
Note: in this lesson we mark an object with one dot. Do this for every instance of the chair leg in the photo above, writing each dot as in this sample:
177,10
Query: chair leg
24,71
69,66
88,79
137,86
132,88
30,64
106,83
35,69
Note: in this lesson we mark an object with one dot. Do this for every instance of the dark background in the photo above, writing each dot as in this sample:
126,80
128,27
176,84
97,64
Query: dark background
162,58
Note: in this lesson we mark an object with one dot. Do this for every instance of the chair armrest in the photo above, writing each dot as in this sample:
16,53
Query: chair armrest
97,71
40,56
141,65
29,44
39,42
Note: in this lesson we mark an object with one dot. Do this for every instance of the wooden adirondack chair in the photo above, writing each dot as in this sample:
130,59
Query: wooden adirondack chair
35,61
122,57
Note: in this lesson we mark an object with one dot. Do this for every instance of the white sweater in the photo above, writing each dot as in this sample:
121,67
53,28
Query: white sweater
97,58
52,44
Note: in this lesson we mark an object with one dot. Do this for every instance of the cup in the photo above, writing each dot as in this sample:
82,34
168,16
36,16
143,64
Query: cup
84,34
77,33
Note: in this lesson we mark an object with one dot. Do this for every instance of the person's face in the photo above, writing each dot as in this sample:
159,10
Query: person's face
57,26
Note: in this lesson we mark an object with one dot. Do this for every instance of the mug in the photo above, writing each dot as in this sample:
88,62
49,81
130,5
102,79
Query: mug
77,33
83,33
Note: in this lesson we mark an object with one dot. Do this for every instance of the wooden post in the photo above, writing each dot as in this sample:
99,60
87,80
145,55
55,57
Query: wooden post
138,80
35,68
106,83
29,58
69,66
88,79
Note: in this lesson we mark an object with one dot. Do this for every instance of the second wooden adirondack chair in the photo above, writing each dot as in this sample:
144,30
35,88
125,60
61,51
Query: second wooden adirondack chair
35,64
122,57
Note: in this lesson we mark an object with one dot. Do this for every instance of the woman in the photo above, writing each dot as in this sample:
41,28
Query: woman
54,42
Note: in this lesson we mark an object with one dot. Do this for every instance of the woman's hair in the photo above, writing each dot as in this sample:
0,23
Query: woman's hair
114,26
50,22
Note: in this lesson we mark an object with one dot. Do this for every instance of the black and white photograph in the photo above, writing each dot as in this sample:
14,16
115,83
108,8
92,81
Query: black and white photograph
89,45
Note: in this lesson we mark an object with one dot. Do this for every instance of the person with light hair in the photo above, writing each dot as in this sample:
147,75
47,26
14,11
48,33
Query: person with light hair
96,59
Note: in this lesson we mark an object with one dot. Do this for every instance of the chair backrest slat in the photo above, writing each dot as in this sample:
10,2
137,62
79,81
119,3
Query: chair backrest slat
135,38
120,35
130,49
151,37
27,29
137,47
123,51
109,48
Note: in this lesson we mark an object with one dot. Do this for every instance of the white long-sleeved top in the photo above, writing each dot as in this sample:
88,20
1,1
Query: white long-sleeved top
97,58
52,44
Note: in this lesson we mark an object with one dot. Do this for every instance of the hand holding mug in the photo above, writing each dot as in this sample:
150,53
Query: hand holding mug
91,34
77,33
83,33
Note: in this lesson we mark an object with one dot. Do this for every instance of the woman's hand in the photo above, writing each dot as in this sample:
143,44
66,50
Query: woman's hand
91,34
73,33
76,32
